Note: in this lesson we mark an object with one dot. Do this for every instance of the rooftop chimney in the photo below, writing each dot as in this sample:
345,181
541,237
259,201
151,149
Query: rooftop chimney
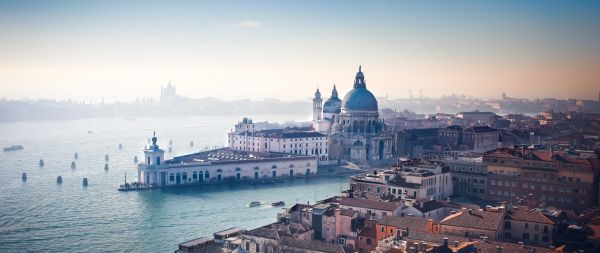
498,249
445,241
456,244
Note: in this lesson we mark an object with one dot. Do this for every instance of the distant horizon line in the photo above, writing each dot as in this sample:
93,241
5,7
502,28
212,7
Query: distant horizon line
306,99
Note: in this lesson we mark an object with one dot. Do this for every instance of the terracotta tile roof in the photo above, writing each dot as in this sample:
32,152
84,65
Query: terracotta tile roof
490,247
412,223
348,212
523,213
263,233
369,204
312,246
485,220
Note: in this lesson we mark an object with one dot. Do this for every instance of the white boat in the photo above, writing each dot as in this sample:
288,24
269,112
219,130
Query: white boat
254,204
278,203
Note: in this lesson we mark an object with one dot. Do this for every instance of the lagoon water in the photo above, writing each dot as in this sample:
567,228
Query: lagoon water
41,216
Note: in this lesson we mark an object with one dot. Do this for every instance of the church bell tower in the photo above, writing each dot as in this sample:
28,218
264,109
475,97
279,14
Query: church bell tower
317,106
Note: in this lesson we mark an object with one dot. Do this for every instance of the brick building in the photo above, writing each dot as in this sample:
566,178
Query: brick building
555,178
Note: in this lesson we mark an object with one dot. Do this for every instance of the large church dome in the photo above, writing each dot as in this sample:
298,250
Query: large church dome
359,98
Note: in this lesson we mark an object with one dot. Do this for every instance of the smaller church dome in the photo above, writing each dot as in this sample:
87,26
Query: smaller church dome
333,104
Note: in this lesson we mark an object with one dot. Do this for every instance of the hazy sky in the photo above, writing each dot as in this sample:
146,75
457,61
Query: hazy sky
285,49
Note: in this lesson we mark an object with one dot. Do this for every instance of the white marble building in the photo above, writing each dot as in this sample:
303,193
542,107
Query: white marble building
245,137
355,130
221,165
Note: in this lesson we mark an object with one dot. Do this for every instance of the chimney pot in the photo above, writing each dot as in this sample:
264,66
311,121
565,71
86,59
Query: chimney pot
446,241
498,249
455,243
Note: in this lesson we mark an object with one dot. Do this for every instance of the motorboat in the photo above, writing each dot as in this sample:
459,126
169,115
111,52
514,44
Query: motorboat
76,155
278,203
254,204
13,148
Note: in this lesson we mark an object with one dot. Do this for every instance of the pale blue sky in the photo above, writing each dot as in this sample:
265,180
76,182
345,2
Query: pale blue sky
285,49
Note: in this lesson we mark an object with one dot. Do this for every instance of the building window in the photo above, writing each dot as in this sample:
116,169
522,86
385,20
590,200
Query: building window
171,177
507,225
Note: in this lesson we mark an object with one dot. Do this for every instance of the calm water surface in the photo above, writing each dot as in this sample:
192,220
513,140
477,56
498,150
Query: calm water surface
39,215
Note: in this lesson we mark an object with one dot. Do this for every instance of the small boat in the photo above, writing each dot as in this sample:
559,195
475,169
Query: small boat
13,148
73,165
278,203
85,182
254,204
106,157
59,180
41,162
76,155
135,160
24,177
106,166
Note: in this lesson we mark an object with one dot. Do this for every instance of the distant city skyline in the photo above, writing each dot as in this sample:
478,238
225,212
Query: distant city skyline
285,50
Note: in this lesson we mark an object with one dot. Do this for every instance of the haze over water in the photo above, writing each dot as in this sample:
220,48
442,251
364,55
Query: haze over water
39,215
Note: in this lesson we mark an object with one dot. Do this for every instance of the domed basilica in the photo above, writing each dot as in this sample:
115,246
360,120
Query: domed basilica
355,131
